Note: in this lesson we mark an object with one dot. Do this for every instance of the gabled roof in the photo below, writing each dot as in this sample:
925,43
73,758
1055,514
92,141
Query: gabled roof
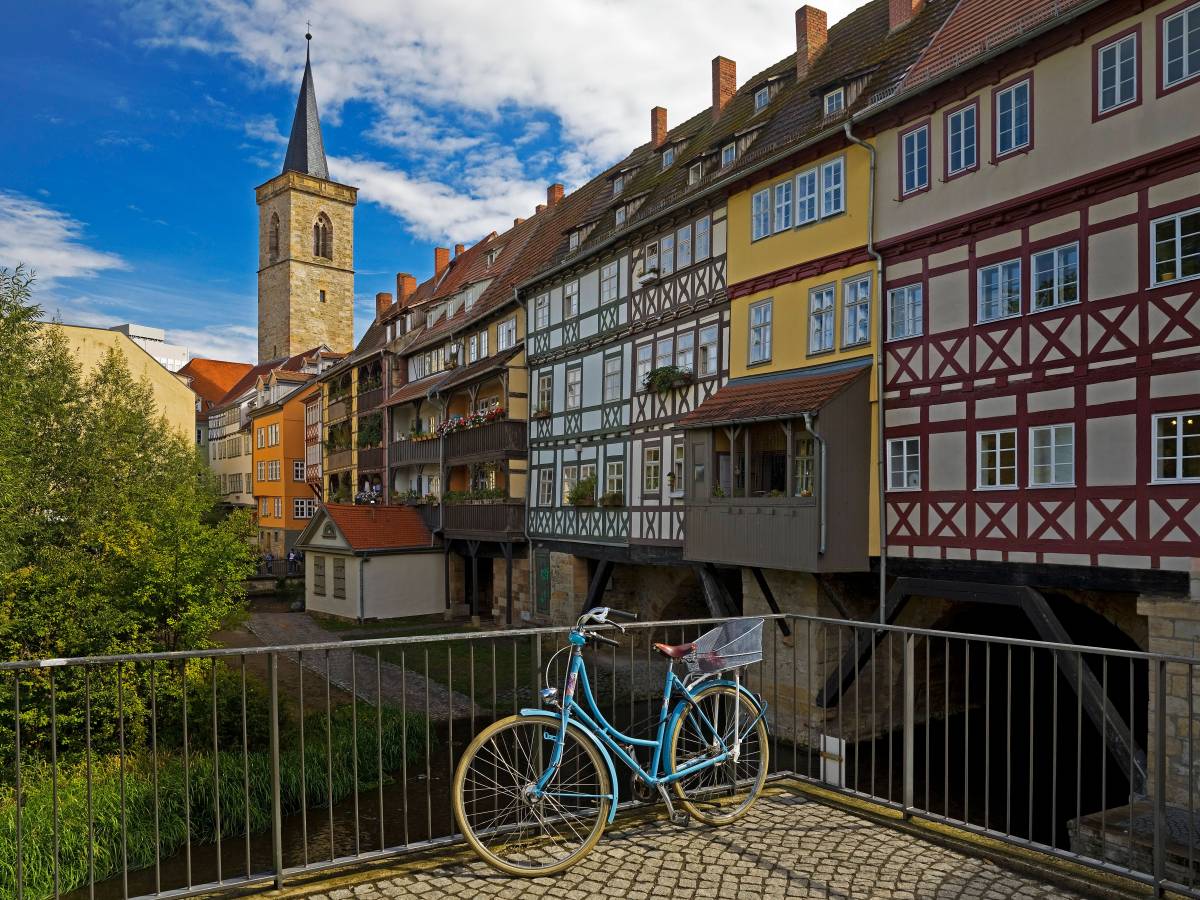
250,378
306,150
764,398
371,529
211,379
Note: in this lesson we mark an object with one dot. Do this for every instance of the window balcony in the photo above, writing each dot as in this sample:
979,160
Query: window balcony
371,458
414,453
504,438
485,520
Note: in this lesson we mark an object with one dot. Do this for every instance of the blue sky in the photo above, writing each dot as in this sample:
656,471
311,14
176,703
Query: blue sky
138,129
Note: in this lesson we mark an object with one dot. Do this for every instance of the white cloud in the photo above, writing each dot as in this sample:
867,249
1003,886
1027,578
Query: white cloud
233,342
48,241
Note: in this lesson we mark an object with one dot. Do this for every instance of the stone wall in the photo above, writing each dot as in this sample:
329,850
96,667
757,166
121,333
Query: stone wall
522,597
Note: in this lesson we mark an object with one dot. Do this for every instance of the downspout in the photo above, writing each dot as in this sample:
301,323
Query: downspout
822,509
362,602
880,461
528,421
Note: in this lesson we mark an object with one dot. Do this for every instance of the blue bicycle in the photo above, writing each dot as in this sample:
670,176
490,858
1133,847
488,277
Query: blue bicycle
533,792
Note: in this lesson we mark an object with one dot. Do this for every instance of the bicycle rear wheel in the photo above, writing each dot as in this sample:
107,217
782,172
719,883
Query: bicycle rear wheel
722,793
497,814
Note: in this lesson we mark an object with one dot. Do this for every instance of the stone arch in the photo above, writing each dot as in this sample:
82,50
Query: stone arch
273,238
323,237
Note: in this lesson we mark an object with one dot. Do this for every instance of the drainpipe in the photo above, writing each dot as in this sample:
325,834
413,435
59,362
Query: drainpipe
528,452
362,601
821,508
880,462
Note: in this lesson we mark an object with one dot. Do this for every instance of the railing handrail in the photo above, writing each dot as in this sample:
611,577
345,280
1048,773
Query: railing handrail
218,652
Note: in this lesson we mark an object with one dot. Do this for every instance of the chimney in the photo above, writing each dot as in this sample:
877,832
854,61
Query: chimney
811,34
382,301
406,286
658,126
441,259
901,12
539,208
554,193
724,84
517,222
459,248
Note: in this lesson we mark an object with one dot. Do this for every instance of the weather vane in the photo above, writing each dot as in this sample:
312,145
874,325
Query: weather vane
308,30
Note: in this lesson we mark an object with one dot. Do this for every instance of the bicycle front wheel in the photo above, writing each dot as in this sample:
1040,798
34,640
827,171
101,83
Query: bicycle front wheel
721,793
501,819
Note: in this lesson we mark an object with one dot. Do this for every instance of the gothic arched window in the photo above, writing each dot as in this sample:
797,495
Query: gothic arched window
273,238
323,237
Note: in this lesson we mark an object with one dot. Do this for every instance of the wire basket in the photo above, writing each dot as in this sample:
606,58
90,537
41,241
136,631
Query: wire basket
730,645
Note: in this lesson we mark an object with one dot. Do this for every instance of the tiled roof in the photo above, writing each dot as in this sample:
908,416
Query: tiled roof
450,378
369,527
250,378
769,397
211,379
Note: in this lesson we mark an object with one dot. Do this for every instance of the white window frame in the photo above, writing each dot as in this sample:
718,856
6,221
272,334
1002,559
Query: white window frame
651,468
695,172
760,331
910,473
762,99
506,333
668,157
609,278
619,216
573,240
570,300
710,364
822,320
650,258
1053,432
914,154
760,214
574,387
808,197
834,101
998,433
473,345
1185,51
645,364
1178,457
728,155
1005,280
664,352
703,247
541,311
298,470
545,495
685,351
1115,52
912,309
833,196
782,207
1011,134
570,478
1177,245
1056,289
614,477
683,247
957,129
666,254
612,379
618,184
855,311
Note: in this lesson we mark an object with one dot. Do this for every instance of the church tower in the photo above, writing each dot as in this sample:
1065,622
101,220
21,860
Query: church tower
305,245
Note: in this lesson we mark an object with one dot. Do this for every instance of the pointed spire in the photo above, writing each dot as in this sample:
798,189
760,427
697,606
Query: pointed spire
306,151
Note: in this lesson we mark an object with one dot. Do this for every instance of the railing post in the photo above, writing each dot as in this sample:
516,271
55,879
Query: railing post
276,797
1160,775
910,694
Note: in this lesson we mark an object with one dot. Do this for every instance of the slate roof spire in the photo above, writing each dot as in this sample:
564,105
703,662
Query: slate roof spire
306,151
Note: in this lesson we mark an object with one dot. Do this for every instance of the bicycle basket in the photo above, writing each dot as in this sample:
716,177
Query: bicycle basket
728,646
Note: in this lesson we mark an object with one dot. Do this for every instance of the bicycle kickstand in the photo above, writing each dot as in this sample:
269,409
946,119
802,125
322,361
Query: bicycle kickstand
678,817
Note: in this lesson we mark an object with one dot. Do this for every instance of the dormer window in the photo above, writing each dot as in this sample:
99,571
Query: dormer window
728,155
668,157
492,256
573,241
695,172
618,184
835,101
761,98
619,217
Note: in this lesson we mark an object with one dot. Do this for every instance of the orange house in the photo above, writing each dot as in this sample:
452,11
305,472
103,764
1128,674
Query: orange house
284,501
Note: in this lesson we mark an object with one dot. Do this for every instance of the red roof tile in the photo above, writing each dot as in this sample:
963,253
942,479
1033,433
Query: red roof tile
211,379
380,527
768,397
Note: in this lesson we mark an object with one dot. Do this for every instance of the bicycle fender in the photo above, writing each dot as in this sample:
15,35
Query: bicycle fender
612,769
759,707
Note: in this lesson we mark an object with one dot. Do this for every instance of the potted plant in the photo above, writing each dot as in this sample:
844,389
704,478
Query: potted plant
718,491
612,498
584,492
666,378
541,411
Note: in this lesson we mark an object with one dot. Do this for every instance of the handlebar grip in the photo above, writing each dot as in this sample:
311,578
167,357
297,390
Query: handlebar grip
601,639
621,614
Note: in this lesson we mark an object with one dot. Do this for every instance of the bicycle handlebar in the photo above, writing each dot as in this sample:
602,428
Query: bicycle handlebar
601,639
622,614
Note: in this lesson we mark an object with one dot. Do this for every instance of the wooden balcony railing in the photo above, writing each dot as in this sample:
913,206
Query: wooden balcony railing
338,409
339,459
370,399
504,520
409,453
504,438
371,458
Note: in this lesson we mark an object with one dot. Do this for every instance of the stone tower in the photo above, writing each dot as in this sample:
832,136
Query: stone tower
305,245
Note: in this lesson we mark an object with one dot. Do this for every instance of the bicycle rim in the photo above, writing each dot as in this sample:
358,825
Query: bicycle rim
509,829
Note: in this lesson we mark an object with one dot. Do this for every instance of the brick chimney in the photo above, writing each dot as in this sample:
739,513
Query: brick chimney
382,301
441,259
901,12
658,126
811,34
517,222
724,84
459,248
406,286
541,207
554,193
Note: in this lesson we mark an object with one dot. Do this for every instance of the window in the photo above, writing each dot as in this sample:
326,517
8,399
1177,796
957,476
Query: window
573,240
708,351
666,255
1052,455
614,477
262,471
645,363
323,237
1056,277
612,378
1012,119
677,459
904,464
728,155
619,217
1177,447
703,238
915,162
962,145
279,507
303,508
760,332
683,247
1176,248
339,578
695,172
273,470
650,258
806,197
820,319
273,239
835,101
651,470
264,507
905,318
1181,46
570,300
319,575
618,184
833,198
586,471
1000,291
570,478
664,352
297,470
544,391
804,462
260,435
997,459
541,311
473,345
1116,74
668,157
545,495
574,387
272,435
760,214
761,98
506,333
783,205
608,282
483,340
685,351
856,311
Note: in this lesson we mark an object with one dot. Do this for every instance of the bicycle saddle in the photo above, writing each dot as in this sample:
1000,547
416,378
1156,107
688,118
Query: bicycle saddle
675,651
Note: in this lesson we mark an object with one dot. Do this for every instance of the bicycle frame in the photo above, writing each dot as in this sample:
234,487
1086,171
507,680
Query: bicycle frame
615,741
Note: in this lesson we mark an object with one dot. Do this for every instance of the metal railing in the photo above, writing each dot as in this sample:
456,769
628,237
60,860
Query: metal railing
279,568
181,773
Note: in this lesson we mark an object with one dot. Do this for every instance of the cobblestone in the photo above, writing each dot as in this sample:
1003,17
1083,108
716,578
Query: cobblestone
787,846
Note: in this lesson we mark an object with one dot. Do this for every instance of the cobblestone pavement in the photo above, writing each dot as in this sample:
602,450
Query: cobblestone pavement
347,668
787,846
